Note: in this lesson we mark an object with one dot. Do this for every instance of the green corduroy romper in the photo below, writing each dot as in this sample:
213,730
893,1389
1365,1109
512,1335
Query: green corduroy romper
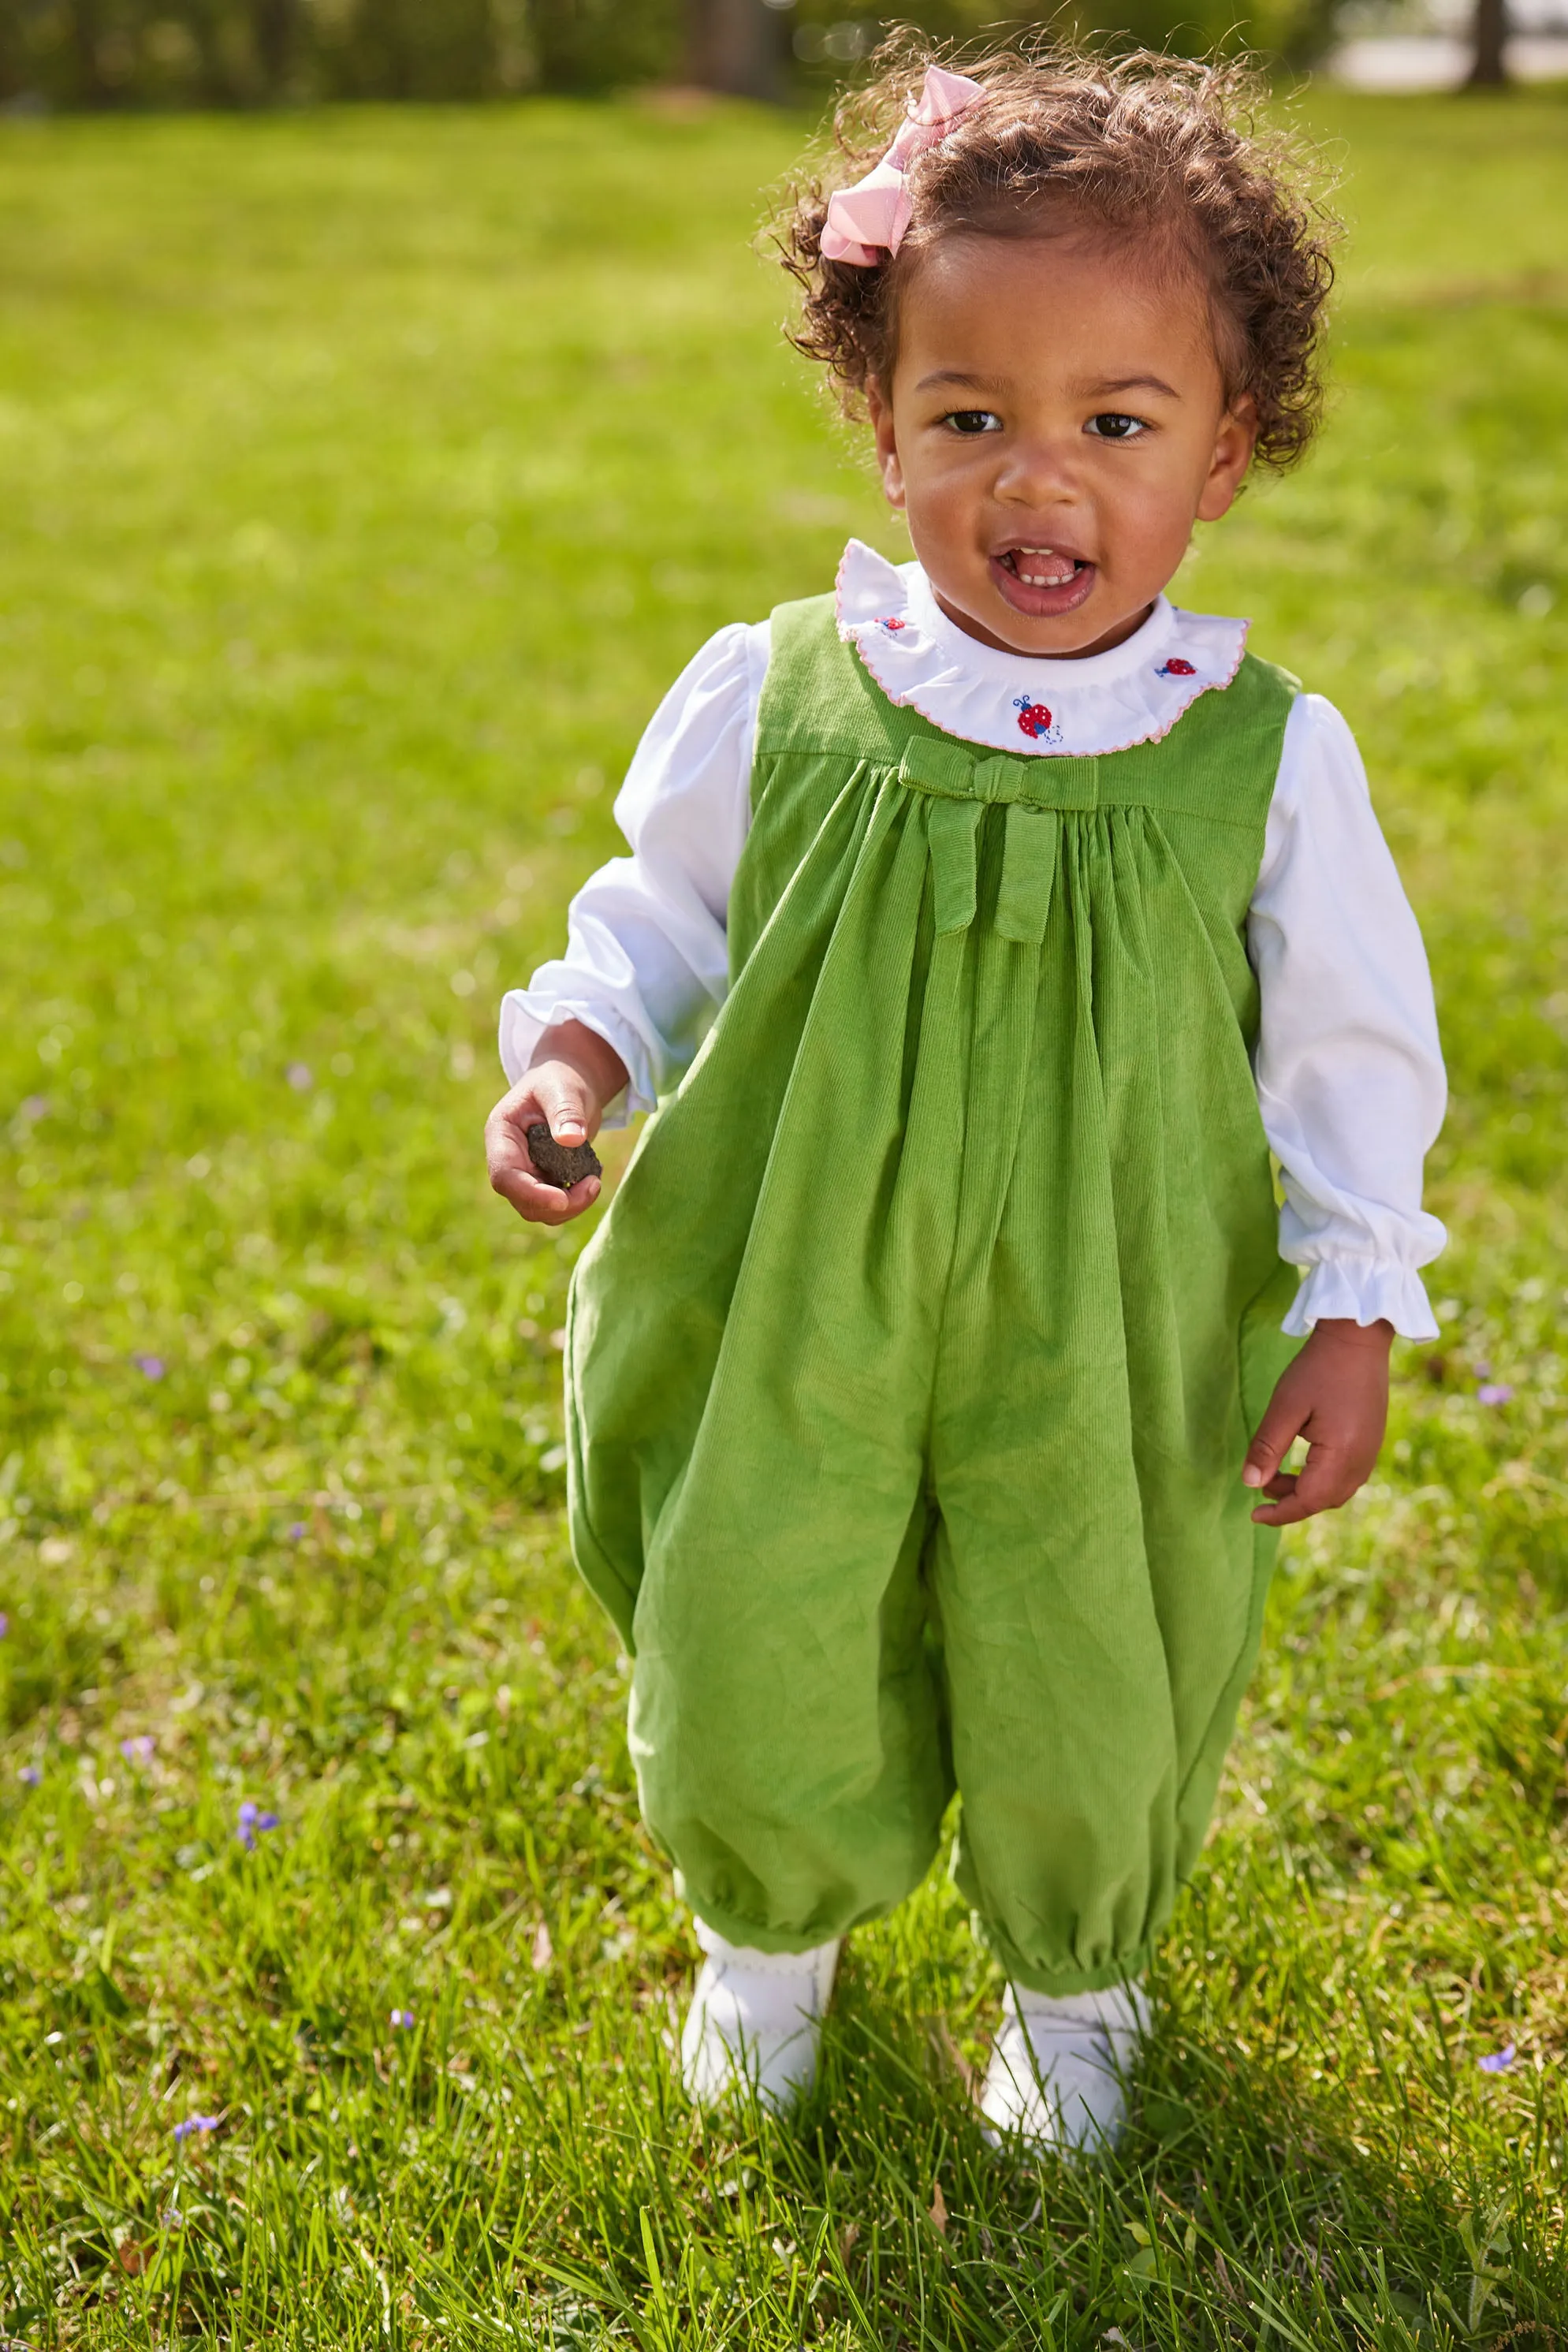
910,1373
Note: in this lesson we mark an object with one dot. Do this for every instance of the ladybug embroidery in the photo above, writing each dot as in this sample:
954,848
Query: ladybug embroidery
1176,667
892,627
1034,718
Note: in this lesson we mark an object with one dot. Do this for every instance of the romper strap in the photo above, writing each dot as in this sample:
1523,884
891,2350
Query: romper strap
1030,851
950,829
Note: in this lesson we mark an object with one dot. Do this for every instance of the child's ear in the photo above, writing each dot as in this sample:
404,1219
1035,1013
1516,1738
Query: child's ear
1233,446
887,461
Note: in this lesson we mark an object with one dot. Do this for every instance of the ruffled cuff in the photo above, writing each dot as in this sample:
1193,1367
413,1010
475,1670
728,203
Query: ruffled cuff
527,1013
1362,1290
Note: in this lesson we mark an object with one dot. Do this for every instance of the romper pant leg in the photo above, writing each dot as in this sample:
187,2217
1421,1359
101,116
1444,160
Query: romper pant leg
1098,1578
786,1724
786,1718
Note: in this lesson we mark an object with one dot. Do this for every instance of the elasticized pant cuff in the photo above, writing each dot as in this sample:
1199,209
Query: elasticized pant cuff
754,1934
1057,1982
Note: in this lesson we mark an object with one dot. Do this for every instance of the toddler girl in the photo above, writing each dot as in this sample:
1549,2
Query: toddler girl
987,924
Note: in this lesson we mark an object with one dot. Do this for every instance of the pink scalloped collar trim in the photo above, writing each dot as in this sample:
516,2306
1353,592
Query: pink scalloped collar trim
1109,702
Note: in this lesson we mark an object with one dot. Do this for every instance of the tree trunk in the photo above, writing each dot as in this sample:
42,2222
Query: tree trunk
91,83
1488,34
734,46
272,24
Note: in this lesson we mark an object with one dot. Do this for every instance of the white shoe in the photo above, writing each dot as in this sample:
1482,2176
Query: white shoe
755,2020
1058,2067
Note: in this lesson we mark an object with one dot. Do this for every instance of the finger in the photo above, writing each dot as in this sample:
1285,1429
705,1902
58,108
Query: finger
565,1102
542,1203
514,1176
507,1149
1280,1491
505,1132
1326,1480
1275,1433
532,1198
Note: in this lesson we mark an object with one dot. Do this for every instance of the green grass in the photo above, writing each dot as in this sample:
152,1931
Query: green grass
362,482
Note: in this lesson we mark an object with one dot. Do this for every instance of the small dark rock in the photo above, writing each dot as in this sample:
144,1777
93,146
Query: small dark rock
556,1164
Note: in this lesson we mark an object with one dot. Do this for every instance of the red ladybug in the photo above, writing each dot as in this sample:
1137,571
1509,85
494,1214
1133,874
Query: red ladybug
1177,668
1034,718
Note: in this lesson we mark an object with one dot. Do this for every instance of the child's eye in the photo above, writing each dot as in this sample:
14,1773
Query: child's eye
974,420
1111,425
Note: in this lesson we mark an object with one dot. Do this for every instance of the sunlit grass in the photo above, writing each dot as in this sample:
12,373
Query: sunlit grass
362,482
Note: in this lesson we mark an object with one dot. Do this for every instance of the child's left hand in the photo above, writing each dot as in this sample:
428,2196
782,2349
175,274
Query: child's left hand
1335,1396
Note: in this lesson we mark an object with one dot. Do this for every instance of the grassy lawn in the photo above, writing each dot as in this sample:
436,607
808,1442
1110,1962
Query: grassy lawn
363,480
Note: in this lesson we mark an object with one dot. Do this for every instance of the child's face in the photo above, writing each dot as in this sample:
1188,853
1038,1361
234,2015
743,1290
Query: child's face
1055,426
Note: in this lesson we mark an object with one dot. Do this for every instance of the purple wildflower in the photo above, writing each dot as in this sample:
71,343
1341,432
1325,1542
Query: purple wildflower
296,1532
139,1750
402,2017
5,1624
1497,2062
298,1076
35,1106
1494,1392
30,1776
152,1368
196,2123
253,1823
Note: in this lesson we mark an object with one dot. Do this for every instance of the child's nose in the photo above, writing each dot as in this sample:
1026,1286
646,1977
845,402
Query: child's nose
1038,473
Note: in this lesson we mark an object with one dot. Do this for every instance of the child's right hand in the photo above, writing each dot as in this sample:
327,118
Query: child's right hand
574,1073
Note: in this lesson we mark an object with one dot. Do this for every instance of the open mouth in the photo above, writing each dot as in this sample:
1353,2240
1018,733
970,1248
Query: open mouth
1041,580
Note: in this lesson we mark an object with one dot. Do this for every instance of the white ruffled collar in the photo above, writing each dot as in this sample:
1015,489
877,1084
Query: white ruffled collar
1015,702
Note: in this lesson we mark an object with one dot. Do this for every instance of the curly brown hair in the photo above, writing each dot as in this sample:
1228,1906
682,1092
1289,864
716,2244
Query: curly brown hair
1141,147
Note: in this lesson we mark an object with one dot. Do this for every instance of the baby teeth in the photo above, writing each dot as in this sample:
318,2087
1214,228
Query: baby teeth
1042,579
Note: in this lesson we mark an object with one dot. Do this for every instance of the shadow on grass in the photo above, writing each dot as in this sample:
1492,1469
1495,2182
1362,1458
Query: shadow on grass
544,2180
1235,2212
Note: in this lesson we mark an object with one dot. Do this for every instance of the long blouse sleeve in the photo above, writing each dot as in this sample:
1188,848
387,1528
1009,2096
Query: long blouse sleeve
647,963
1349,1071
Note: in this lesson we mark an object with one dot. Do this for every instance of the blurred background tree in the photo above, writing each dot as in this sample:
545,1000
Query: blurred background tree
255,53
1489,44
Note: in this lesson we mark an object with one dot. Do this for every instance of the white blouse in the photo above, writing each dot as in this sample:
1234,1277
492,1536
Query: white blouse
1348,1069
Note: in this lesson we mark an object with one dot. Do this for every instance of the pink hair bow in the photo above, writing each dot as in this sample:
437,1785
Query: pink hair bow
868,220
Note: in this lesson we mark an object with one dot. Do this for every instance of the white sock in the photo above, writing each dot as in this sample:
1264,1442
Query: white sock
1059,2066
754,2020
